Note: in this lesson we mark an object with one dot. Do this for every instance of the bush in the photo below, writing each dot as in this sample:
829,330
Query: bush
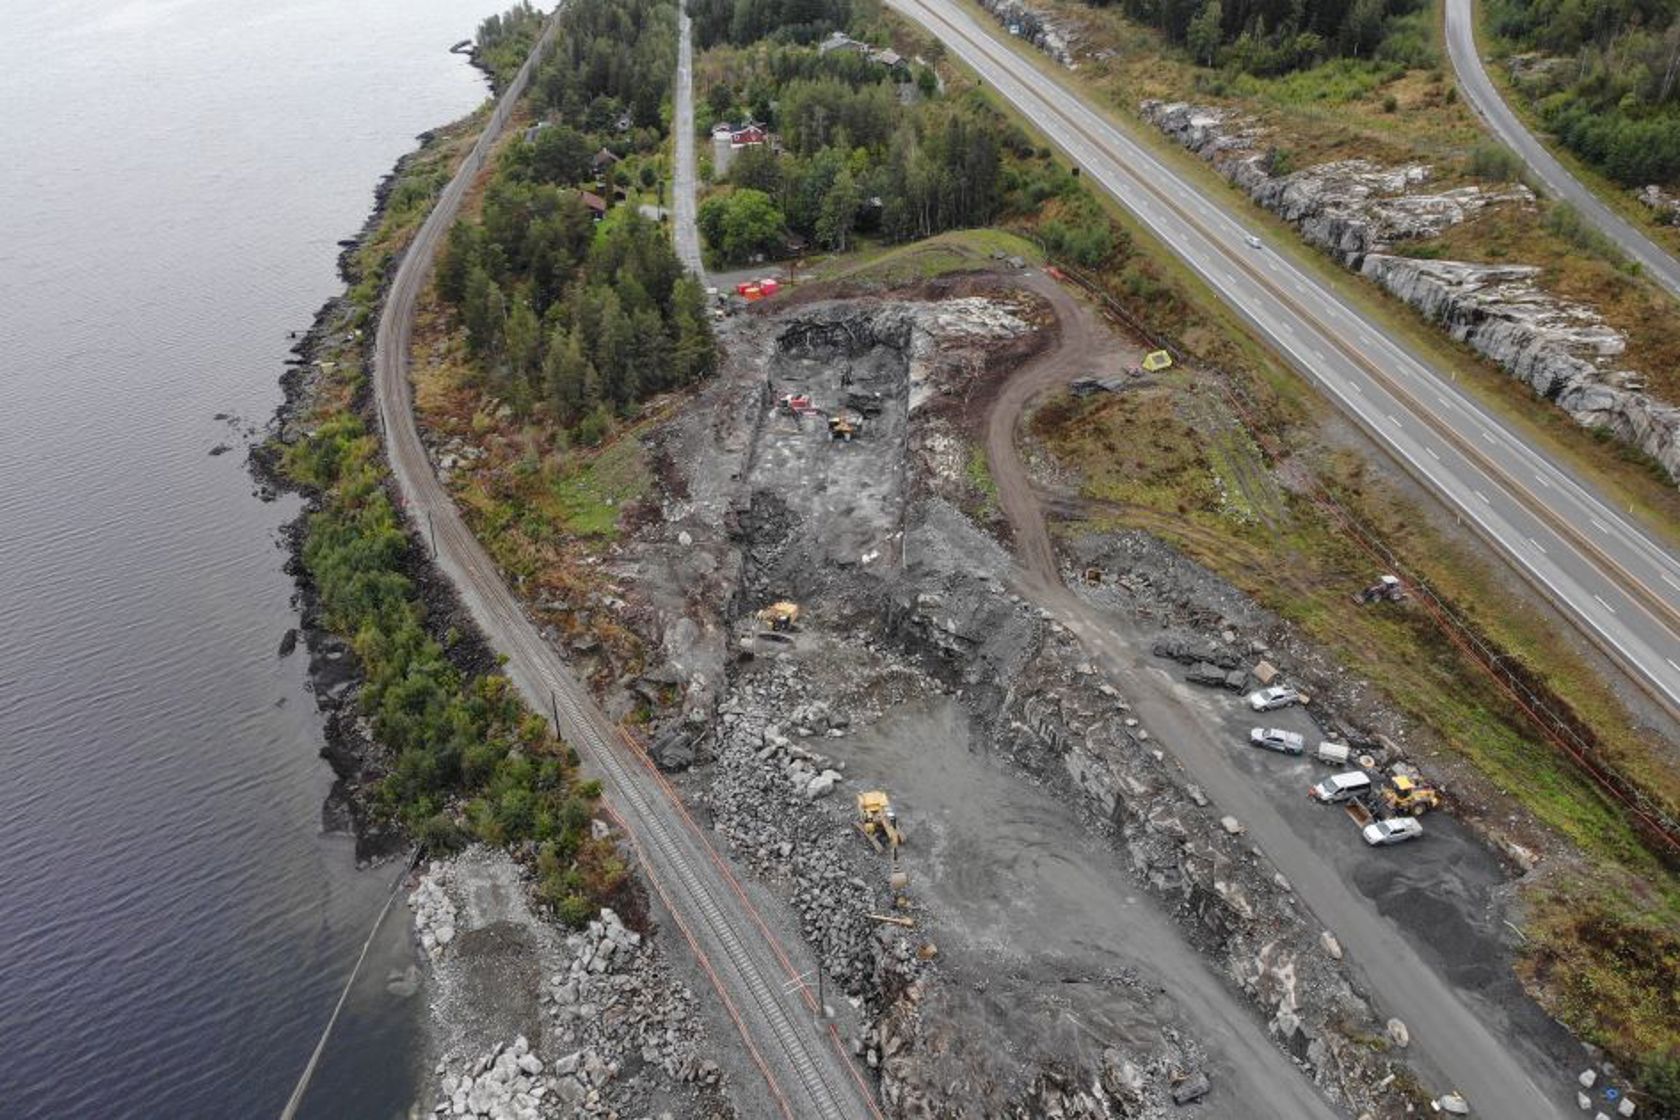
1566,221
1492,160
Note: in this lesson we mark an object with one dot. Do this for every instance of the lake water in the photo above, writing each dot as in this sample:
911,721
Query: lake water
174,923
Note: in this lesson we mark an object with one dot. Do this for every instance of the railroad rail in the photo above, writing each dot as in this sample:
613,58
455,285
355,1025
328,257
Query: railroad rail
804,1066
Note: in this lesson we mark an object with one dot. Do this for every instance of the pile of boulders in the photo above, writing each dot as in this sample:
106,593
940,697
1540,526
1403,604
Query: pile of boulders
760,796
434,912
615,1003
505,1084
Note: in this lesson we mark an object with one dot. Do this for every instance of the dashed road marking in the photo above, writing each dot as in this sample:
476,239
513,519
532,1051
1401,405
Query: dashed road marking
1432,454
1482,496
1487,435
1537,545
1668,579
1599,525
1605,605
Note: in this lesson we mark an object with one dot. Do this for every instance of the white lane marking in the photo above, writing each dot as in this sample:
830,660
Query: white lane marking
1432,454
1670,660
1541,479
1605,605
1393,421
1482,496
1599,525
1354,385
1537,545
1319,355
1487,435
1668,579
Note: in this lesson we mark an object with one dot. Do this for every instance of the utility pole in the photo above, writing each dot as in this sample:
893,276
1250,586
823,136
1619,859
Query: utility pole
554,703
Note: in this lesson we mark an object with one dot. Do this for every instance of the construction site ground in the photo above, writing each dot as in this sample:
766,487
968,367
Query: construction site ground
1061,961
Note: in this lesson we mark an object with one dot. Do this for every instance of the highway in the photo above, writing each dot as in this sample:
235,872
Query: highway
1479,91
686,230
805,1068
1617,585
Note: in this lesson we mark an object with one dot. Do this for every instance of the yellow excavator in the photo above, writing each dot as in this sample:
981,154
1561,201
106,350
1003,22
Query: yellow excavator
780,616
877,821
1410,796
841,428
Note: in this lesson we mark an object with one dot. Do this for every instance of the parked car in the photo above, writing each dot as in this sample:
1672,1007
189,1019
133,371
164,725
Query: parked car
1271,699
1341,787
1277,739
1395,830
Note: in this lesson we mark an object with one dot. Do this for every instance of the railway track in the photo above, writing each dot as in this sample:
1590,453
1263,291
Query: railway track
804,1065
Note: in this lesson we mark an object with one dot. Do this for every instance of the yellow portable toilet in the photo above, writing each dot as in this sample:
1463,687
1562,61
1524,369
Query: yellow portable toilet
1157,360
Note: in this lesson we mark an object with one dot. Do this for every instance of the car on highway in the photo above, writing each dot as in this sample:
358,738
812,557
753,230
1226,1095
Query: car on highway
1271,699
1277,739
1341,787
1253,241
1396,830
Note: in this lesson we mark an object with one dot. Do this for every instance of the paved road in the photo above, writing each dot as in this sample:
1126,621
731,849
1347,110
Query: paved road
1620,588
685,228
1451,1043
804,1066
1473,81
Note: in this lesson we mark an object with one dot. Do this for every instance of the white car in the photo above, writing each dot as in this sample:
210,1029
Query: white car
1394,831
1277,739
1253,241
1341,787
1271,699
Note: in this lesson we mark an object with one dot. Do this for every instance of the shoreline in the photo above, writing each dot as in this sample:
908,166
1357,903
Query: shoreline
349,747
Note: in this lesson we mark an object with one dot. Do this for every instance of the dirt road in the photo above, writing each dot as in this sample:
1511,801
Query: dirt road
1452,1046
804,1066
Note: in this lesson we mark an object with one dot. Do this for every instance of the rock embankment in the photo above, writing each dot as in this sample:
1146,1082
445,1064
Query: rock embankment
530,1023
1348,207
1034,26
1563,351
1357,211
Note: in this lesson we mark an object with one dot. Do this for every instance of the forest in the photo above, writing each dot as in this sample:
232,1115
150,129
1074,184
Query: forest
855,158
1610,90
746,21
568,313
1268,37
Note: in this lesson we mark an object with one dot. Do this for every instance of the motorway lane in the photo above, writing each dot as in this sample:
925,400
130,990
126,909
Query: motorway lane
803,1063
686,231
1618,586
1479,90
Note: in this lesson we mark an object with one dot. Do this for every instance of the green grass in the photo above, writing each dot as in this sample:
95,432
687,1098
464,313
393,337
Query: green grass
588,496
955,251
980,477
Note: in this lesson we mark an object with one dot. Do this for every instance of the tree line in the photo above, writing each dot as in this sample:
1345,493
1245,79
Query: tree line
1268,37
1615,99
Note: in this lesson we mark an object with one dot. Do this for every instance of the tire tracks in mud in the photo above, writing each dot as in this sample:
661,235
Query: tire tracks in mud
1451,1044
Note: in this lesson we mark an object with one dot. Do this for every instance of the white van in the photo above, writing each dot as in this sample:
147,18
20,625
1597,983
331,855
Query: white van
1341,787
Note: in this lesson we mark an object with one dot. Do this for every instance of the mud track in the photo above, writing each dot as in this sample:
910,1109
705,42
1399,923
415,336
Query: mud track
1479,1049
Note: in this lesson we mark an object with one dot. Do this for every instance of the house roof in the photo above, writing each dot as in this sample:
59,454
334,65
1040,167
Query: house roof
603,157
593,201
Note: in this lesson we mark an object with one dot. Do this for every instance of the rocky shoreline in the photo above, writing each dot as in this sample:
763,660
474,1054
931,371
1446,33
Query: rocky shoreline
356,759
612,1032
